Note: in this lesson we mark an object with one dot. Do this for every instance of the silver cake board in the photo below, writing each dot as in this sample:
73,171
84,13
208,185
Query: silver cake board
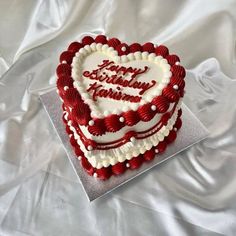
191,132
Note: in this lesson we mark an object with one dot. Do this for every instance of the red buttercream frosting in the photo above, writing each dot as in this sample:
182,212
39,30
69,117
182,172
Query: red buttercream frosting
162,51
135,47
101,39
149,47
113,123
71,97
113,42
161,103
145,112
98,128
87,40
131,117
75,47
81,113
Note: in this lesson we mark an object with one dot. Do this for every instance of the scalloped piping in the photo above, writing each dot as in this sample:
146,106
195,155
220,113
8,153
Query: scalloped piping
129,150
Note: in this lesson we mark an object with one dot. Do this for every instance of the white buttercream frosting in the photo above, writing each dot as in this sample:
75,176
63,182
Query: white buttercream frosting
92,55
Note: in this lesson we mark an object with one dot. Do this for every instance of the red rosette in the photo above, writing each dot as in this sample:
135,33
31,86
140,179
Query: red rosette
161,103
73,141
148,47
75,47
87,166
113,123
177,81
162,51
149,155
179,112
165,118
178,71
178,124
135,47
71,97
171,94
104,173
118,168
145,112
81,113
161,147
171,137
131,118
87,40
63,70
67,56
64,81
113,42
78,151
98,128
172,59
136,162
122,49
101,39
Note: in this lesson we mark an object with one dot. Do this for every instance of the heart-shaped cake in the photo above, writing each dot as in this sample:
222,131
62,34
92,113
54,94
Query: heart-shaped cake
121,103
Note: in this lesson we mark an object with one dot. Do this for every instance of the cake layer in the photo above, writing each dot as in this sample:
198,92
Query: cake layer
104,158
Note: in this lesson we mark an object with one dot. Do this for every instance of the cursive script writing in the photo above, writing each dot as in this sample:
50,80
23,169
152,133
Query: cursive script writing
121,76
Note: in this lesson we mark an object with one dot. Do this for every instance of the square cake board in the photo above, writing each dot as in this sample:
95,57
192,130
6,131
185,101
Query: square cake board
191,132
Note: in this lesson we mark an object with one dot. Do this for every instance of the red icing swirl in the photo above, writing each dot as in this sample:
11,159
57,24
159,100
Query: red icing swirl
161,103
101,39
87,40
178,123
171,137
113,123
98,128
131,118
118,168
64,81
67,56
162,51
149,47
136,162
172,59
178,71
63,69
135,47
145,112
81,113
149,155
122,49
171,94
177,81
161,147
113,42
104,173
75,47
71,97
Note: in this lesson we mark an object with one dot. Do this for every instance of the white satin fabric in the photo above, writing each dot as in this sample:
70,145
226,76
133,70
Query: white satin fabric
192,194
